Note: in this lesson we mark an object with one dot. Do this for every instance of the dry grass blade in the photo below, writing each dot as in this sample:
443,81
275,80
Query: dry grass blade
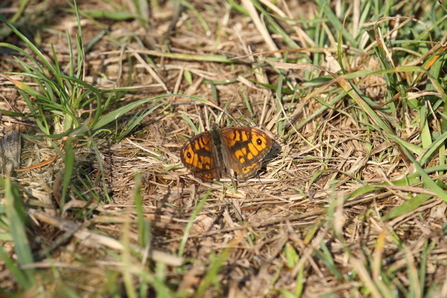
92,239
260,26
349,202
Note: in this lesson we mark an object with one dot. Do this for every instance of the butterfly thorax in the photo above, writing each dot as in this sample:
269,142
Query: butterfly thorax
219,150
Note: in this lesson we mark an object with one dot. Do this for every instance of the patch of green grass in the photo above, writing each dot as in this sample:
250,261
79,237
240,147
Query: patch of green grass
67,110
332,67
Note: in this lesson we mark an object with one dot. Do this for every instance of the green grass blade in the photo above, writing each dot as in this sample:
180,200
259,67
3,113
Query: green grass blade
69,159
191,222
17,219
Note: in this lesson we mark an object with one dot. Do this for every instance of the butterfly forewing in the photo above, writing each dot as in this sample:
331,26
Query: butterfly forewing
199,157
247,145
246,148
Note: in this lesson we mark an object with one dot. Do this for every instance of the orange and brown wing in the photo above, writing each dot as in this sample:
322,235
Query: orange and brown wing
197,154
246,149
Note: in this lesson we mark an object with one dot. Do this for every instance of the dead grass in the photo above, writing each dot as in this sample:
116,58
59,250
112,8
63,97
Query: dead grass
316,223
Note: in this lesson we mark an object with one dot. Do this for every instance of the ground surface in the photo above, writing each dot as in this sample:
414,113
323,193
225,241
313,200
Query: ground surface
317,220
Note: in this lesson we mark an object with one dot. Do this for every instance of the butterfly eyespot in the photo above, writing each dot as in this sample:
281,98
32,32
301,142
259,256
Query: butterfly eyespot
259,141
188,154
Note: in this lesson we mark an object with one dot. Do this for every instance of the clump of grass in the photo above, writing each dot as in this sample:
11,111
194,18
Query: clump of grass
352,204
66,110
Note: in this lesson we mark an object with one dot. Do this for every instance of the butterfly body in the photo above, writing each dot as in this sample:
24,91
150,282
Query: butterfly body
233,151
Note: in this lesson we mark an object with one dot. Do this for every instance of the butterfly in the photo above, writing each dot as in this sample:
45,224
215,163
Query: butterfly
234,151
